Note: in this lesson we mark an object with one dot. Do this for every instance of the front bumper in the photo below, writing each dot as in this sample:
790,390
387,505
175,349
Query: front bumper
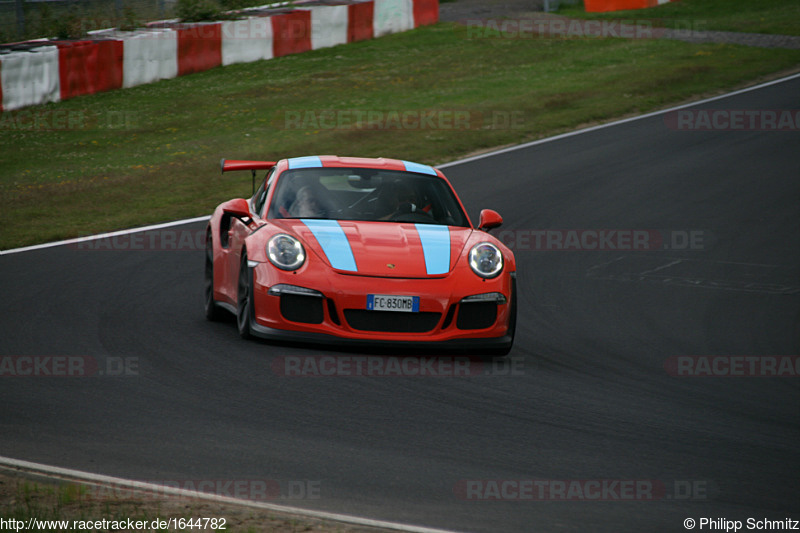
331,310
461,345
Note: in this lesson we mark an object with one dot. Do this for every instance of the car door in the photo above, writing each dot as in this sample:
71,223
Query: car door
233,232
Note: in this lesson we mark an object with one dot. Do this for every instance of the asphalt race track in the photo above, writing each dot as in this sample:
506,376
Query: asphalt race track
589,398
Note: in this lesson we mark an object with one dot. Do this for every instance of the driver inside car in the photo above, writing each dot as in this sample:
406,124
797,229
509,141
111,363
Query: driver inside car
307,204
399,198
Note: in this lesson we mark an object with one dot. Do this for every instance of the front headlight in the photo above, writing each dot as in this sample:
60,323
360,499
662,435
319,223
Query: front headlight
486,260
285,252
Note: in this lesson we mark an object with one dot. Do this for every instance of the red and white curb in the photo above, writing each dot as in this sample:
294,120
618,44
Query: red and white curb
43,71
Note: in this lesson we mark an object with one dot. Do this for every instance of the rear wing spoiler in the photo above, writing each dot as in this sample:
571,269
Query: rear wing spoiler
252,166
230,165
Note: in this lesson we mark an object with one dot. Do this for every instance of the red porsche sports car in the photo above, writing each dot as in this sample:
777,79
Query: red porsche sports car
346,250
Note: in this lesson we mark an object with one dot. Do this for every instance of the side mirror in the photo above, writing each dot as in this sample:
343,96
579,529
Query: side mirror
237,208
489,219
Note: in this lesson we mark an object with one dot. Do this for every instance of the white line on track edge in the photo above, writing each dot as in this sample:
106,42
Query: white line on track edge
617,122
104,235
68,474
445,165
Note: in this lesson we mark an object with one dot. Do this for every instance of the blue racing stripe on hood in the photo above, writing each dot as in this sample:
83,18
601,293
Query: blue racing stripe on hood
421,169
435,247
331,238
311,161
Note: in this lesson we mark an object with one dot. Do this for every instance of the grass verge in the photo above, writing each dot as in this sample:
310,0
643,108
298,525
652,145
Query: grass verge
150,154
779,17
24,497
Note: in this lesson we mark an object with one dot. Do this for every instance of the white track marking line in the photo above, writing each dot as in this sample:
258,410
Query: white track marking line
617,122
445,165
68,474
662,267
104,235
601,265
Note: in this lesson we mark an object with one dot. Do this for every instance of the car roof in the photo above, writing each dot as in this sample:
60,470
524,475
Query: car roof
333,161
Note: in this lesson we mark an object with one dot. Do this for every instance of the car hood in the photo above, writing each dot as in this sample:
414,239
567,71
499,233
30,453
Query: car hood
384,249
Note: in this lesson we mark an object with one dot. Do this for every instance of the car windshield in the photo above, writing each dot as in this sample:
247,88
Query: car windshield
365,194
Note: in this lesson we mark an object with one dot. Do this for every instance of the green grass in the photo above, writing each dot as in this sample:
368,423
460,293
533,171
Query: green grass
753,16
150,154
52,502
22,499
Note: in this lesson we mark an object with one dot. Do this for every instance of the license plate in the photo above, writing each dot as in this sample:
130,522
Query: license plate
386,302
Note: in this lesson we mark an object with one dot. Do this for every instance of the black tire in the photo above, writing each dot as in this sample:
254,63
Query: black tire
212,310
244,299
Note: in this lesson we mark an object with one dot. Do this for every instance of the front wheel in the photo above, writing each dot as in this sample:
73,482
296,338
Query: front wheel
244,299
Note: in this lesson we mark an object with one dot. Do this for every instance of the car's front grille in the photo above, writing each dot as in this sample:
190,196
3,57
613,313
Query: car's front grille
476,315
306,309
391,321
